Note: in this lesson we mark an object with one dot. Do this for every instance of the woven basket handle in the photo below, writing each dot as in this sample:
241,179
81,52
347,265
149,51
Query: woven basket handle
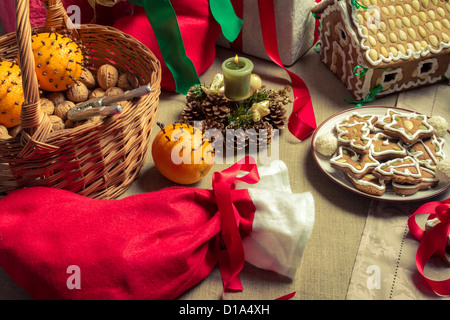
31,114
33,121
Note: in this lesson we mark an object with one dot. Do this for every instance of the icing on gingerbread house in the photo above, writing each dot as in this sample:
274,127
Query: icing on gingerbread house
377,47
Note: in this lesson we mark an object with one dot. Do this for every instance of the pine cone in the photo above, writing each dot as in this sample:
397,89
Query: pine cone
236,138
193,111
260,135
277,117
210,123
216,107
195,93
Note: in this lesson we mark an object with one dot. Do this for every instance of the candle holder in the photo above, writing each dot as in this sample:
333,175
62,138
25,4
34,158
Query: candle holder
236,76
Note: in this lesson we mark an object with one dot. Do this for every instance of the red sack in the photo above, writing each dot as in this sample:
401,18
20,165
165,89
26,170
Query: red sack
148,246
56,244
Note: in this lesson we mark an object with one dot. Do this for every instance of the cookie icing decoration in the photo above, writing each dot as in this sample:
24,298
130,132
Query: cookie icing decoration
405,189
355,135
369,184
355,117
428,152
401,170
384,147
353,163
409,127
398,45
429,179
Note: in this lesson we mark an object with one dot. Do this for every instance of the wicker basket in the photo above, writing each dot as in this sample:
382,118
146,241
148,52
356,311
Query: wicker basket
97,160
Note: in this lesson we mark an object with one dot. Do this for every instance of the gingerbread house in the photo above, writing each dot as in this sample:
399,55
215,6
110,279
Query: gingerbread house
377,47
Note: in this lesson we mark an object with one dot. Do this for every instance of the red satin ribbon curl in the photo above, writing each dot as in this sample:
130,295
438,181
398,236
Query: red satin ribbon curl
434,241
302,121
231,257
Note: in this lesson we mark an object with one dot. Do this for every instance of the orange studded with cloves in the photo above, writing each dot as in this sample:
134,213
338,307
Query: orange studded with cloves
58,61
11,94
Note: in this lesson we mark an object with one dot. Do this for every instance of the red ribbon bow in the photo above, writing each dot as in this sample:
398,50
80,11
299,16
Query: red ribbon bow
231,255
433,241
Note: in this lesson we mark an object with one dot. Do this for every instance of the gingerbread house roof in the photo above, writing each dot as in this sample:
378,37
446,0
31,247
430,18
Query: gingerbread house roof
390,30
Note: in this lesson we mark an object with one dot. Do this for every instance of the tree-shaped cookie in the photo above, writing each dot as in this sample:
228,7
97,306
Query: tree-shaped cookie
354,164
428,152
354,118
401,170
356,136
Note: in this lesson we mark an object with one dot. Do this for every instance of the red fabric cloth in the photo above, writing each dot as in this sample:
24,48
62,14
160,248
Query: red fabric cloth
38,14
148,246
198,29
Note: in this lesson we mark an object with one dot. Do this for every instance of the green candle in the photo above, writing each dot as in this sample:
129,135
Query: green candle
236,77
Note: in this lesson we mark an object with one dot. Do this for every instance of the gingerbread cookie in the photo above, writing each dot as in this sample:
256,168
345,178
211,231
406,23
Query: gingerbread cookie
369,184
355,117
429,179
355,136
428,152
385,148
401,170
354,164
409,127
386,119
405,189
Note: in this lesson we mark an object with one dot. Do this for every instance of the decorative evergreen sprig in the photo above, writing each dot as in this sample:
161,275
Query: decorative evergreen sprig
241,115
197,92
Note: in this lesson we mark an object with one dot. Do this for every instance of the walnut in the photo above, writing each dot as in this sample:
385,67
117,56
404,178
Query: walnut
90,121
113,91
107,76
56,97
57,122
69,123
62,109
87,79
78,92
47,106
99,92
127,81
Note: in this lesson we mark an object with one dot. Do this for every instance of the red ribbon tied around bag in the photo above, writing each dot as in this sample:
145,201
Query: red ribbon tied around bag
231,252
433,241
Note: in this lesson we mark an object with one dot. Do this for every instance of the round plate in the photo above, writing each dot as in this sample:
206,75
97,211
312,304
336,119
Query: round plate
338,176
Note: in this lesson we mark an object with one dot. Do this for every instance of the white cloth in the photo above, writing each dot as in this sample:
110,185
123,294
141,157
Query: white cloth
282,224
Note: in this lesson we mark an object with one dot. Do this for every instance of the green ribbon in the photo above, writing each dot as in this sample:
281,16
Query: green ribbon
358,5
317,46
229,22
163,20
317,17
448,79
362,73
370,97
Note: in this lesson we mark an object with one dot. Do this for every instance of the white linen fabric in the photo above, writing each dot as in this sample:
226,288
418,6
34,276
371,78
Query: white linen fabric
282,224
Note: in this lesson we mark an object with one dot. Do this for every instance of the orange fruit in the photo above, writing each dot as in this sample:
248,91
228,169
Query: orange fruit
181,154
11,94
58,61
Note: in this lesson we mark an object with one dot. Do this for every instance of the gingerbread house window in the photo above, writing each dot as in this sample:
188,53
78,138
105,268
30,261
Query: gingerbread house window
427,67
391,77
340,30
